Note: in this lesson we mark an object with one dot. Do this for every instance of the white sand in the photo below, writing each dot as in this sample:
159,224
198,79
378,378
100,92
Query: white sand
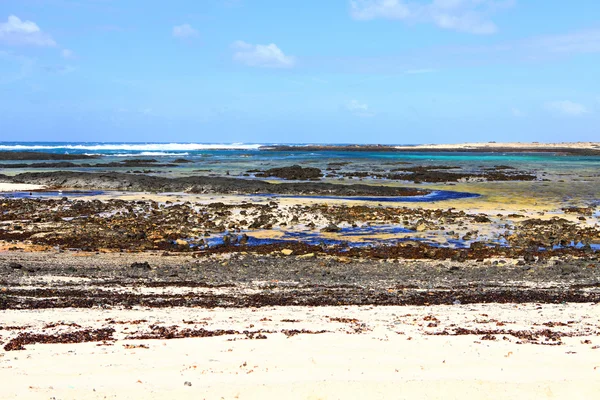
392,358
17,187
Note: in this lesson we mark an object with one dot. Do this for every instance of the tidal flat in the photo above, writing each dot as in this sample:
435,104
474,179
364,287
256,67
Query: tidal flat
251,253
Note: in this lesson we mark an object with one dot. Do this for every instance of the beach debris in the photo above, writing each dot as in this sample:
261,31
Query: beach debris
86,335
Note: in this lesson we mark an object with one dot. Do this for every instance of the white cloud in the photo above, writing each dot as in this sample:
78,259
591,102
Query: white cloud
568,108
17,32
470,16
261,55
372,9
185,31
359,109
68,54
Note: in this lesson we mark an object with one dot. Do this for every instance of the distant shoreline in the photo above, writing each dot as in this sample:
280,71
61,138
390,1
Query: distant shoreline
74,150
580,148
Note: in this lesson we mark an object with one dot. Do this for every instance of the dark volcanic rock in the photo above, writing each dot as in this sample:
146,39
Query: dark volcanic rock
331,228
295,172
293,282
67,164
439,174
34,155
61,164
141,265
200,184
14,265
139,161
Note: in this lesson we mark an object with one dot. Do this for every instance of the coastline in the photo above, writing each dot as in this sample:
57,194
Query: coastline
579,148
89,325
573,148
170,281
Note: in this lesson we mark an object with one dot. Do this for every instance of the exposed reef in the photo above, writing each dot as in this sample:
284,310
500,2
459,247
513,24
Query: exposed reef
200,184
34,155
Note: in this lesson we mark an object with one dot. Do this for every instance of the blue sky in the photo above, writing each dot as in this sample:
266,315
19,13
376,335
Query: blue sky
337,71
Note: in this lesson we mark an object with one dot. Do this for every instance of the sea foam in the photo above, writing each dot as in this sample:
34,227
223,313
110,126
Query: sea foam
134,146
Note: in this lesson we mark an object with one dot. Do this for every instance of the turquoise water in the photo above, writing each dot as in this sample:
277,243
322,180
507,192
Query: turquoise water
436,195
237,158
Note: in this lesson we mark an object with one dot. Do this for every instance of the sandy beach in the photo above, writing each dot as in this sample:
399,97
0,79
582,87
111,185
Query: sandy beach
381,352
16,187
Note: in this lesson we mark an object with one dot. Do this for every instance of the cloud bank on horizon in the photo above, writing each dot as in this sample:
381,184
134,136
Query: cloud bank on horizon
364,71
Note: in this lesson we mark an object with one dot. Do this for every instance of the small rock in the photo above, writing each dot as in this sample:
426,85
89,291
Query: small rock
141,265
187,383
14,265
287,252
529,257
331,228
421,227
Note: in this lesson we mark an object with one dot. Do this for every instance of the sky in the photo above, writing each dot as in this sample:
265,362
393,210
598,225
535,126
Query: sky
288,71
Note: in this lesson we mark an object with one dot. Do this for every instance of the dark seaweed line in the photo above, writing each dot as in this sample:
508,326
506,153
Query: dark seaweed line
39,299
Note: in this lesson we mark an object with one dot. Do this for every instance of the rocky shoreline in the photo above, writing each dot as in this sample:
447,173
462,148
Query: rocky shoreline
87,280
329,252
393,172
199,184
222,278
36,155
477,148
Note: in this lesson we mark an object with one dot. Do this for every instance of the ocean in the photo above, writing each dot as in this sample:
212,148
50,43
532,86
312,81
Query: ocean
239,157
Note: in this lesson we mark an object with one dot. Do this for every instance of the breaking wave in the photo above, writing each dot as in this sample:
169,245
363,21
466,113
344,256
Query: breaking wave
164,147
146,153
